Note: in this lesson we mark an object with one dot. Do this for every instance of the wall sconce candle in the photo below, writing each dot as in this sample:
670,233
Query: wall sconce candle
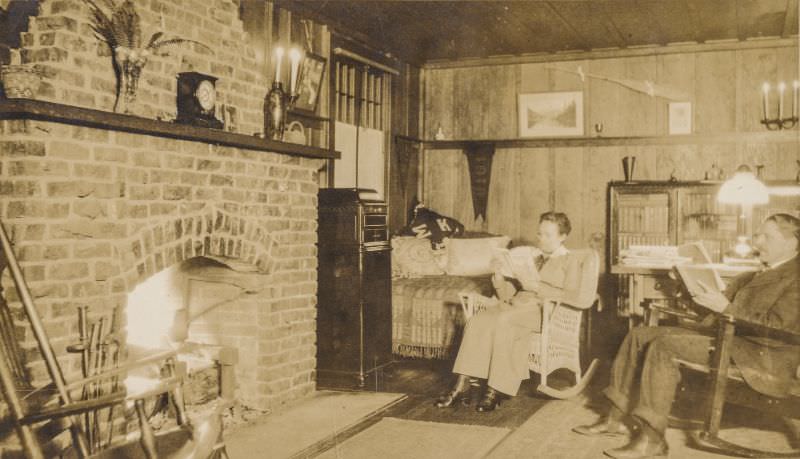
780,122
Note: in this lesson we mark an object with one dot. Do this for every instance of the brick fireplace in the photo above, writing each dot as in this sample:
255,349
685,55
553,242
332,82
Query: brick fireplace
97,203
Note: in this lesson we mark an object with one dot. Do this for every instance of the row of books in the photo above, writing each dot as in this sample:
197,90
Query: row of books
625,241
643,219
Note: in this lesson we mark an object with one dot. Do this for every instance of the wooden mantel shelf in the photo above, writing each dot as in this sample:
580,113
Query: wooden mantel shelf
792,135
50,111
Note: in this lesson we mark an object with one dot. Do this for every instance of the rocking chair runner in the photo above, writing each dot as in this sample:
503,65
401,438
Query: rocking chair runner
59,403
558,344
727,385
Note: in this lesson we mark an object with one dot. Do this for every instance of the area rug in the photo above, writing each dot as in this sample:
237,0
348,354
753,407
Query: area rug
402,439
291,431
548,434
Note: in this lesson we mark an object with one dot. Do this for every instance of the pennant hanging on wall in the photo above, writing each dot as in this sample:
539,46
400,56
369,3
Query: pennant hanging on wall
479,159
406,151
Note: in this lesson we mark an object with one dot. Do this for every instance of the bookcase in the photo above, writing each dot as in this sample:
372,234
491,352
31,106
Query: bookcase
673,213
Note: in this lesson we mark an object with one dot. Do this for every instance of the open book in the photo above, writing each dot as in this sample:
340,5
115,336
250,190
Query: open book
699,278
518,263
696,251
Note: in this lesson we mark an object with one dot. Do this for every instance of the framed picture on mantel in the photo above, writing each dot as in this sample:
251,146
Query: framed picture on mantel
551,114
310,82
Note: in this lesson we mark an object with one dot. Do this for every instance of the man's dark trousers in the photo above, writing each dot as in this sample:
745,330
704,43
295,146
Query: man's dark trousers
645,375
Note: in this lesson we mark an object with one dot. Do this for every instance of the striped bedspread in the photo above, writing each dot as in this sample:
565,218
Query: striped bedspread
426,314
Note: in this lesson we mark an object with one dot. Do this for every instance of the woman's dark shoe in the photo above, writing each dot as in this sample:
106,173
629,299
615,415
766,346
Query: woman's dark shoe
605,427
459,393
642,447
490,401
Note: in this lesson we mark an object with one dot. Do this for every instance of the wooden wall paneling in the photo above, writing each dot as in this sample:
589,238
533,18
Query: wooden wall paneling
462,198
466,104
677,71
534,191
483,89
787,156
719,156
566,81
646,161
715,91
667,162
765,154
504,199
533,78
754,67
787,69
501,114
606,104
642,112
438,104
600,165
443,187
569,190
688,166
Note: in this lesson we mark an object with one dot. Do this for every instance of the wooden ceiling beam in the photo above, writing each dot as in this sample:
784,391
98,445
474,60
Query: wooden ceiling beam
584,43
790,19
623,42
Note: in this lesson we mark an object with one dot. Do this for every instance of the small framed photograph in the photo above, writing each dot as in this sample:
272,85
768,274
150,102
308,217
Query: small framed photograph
312,69
680,118
551,114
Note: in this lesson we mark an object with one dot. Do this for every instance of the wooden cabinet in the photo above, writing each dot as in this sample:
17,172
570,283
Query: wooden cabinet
354,306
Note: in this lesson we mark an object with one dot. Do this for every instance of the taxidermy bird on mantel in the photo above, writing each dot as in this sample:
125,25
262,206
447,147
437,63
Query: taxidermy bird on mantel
645,86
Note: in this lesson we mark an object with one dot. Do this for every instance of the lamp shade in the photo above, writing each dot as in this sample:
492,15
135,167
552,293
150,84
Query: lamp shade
743,188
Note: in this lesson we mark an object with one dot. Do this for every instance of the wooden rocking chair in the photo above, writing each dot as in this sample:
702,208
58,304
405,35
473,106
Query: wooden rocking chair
558,345
728,385
61,405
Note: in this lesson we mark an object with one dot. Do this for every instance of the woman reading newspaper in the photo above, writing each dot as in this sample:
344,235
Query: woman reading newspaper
496,342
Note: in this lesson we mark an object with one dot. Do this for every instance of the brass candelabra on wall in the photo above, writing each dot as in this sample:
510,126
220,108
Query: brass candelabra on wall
779,122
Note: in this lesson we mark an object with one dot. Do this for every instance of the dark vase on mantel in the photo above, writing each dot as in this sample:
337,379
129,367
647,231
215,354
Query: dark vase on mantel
275,112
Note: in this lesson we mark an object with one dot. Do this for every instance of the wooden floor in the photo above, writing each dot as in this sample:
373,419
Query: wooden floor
424,380
530,414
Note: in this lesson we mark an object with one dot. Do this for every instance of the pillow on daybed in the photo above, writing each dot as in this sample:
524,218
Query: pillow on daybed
413,257
472,257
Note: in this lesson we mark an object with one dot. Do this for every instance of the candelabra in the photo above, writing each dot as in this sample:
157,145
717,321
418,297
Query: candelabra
780,122
278,101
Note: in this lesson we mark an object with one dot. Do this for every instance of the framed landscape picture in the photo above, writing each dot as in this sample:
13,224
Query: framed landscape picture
312,68
551,114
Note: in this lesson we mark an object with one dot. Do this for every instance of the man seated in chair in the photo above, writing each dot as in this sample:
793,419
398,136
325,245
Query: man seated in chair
645,373
496,342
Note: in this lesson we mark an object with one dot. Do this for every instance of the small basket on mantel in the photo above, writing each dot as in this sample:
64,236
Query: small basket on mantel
20,80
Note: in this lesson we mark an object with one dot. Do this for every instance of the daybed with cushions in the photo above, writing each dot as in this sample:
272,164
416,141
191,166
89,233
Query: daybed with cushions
427,318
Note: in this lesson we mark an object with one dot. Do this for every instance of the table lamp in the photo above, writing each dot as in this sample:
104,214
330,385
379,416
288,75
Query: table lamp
745,190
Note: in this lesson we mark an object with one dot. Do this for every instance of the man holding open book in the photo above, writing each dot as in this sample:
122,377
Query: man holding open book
645,373
496,342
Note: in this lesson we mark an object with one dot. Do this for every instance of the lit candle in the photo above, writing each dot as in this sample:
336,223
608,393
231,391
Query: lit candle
765,99
278,59
781,89
795,98
294,57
